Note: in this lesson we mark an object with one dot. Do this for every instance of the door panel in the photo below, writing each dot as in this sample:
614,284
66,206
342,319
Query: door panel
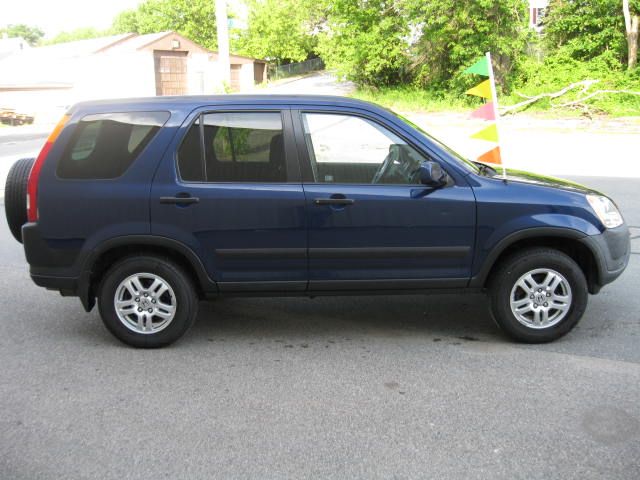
251,235
406,234
371,225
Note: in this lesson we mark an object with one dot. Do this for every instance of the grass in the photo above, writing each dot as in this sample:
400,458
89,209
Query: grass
413,99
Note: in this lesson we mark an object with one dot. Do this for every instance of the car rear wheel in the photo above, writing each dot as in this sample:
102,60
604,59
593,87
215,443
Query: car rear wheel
538,295
15,196
147,301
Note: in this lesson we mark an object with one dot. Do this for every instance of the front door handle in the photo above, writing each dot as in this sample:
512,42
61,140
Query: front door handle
334,201
182,200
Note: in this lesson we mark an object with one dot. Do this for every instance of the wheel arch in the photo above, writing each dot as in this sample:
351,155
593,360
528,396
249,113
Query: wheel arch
98,262
562,239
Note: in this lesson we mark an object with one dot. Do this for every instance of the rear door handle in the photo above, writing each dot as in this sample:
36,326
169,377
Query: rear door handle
334,201
179,200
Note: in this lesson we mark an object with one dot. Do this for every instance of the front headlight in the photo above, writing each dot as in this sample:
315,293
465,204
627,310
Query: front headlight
606,211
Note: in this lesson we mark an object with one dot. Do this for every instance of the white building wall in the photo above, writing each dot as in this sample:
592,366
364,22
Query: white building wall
203,75
246,77
119,74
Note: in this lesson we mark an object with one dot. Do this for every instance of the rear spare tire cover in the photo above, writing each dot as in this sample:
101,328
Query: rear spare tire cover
15,196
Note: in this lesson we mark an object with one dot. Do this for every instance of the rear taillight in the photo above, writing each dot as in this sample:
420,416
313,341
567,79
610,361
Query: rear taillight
32,185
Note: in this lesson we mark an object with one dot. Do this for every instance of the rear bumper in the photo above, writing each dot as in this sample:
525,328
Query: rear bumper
53,264
55,257
68,287
612,250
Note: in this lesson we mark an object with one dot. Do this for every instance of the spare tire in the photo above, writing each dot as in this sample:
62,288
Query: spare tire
15,196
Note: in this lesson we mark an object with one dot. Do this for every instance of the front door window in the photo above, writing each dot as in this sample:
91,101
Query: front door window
348,149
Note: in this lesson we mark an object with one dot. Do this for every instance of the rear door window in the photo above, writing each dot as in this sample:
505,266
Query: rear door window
238,147
105,145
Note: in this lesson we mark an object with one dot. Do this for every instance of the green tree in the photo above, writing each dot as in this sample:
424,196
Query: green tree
78,34
280,30
586,29
32,35
195,19
126,22
452,34
365,41
631,21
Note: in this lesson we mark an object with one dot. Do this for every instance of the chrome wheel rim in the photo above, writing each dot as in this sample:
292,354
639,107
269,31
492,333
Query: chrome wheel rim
145,303
541,298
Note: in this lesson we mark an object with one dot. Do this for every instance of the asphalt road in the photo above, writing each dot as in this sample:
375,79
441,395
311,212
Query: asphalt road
18,141
320,83
357,387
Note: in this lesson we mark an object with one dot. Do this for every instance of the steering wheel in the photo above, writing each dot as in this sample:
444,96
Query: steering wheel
388,162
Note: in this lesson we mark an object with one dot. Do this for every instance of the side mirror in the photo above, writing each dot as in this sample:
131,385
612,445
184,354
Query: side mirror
432,174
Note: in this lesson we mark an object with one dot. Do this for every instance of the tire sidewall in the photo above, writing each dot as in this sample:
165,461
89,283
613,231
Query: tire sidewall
507,277
186,301
15,196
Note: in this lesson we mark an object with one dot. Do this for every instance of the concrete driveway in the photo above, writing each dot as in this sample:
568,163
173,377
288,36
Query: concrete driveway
320,83
570,146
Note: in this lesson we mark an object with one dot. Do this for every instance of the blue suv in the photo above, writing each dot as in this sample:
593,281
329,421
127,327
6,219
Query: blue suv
149,205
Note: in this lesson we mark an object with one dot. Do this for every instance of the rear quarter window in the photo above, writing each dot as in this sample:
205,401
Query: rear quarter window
105,145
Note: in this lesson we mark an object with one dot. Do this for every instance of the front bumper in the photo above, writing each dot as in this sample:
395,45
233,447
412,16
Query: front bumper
611,250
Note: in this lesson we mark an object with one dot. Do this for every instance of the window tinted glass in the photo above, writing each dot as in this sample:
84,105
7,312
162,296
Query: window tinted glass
350,149
244,147
86,143
105,145
190,158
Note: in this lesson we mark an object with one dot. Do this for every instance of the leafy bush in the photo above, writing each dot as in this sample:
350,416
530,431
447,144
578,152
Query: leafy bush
413,98
365,41
586,29
279,30
550,75
452,34
558,71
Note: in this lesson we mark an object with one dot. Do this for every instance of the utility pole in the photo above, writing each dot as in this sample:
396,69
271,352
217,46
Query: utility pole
223,40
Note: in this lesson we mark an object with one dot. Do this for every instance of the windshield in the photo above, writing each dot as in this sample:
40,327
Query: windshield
455,155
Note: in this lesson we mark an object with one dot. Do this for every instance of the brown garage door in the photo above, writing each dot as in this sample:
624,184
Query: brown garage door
258,72
171,72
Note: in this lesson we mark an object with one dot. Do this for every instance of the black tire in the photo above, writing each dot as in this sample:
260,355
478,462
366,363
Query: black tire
15,196
512,269
186,300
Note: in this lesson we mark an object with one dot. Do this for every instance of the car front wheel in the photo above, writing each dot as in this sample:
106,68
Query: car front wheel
538,295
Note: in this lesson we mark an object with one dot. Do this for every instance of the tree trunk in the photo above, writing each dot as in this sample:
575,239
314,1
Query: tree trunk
631,29
632,40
